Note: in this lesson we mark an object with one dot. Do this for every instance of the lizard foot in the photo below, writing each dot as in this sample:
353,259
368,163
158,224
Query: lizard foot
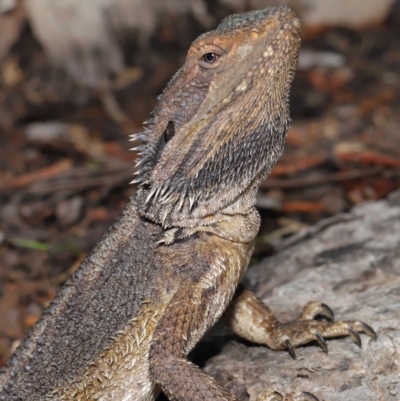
275,396
251,319
307,329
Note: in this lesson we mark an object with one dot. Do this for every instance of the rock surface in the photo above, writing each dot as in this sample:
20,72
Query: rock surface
351,264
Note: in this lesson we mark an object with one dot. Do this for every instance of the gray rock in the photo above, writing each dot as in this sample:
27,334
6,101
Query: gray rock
351,263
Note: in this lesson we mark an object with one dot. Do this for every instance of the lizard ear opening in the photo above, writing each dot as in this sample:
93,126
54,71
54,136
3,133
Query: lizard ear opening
167,135
169,132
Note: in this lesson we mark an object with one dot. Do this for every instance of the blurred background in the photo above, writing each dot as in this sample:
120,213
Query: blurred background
77,77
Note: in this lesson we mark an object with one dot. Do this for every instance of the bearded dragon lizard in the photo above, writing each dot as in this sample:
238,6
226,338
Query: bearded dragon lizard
123,324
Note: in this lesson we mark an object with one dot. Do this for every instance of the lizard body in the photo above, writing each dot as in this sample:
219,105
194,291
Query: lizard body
121,327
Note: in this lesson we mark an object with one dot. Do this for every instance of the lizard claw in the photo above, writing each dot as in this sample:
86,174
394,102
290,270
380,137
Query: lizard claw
321,341
308,397
354,336
354,327
275,396
366,329
290,349
316,308
327,312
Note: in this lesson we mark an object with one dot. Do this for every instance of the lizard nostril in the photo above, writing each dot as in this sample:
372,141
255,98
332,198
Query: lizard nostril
296,23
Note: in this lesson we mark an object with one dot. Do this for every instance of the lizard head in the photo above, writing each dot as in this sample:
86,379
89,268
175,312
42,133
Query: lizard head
221,123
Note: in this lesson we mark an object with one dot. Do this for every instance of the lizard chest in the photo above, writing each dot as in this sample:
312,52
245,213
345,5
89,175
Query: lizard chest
213,290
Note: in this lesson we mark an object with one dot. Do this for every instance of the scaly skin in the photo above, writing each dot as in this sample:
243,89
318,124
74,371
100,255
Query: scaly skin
123,324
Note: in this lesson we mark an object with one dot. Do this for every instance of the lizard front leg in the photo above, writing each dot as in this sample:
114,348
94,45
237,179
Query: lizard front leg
183,322
179,378
251,319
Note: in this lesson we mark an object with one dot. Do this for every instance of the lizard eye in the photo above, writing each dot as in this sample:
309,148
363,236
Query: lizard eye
210,58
